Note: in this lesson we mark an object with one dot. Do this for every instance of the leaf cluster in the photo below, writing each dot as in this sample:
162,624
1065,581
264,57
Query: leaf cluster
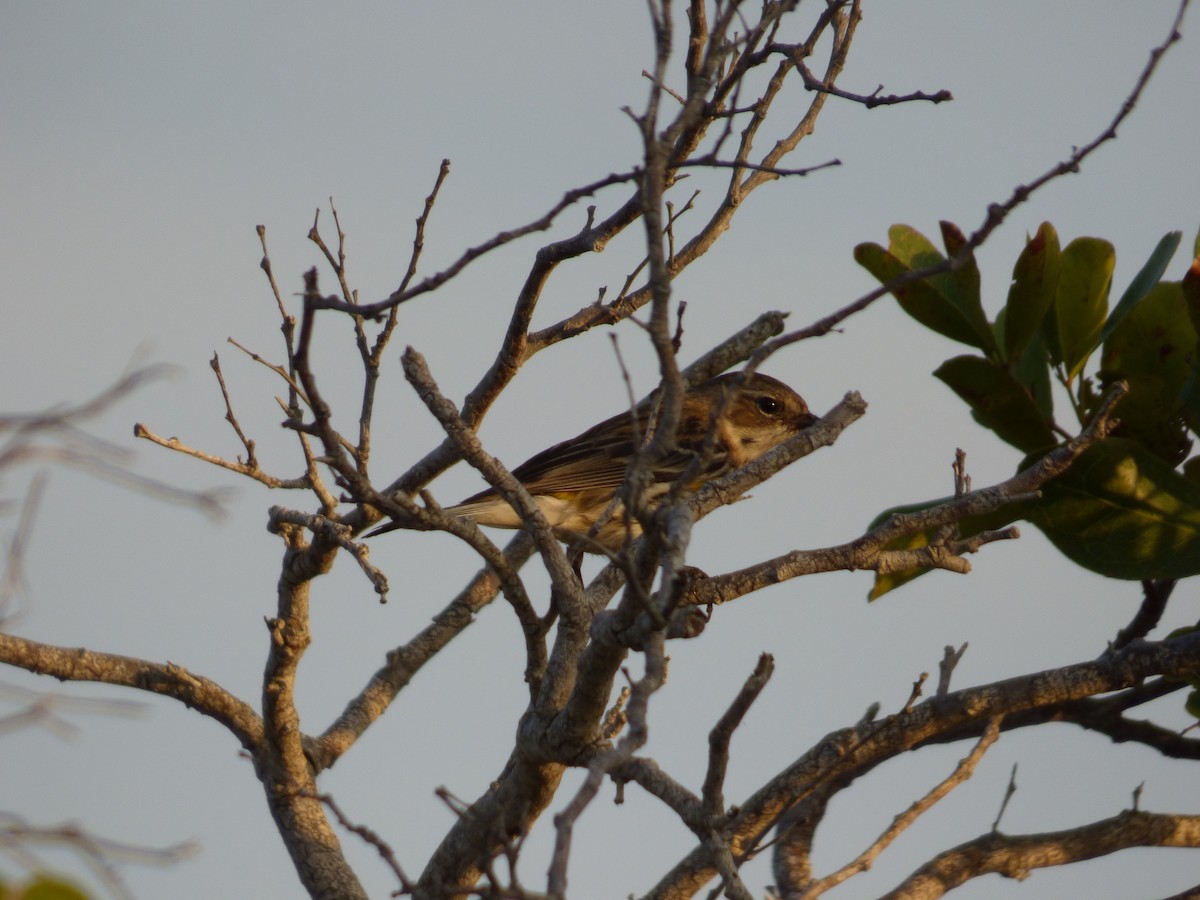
1130,507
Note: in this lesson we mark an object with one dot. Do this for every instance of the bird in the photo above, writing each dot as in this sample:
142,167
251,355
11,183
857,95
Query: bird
573,483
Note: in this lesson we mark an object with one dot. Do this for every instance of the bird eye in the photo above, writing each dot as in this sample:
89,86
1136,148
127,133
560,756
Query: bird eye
769,406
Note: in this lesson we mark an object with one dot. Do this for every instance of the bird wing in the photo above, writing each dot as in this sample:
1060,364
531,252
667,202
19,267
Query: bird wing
598,458
594,460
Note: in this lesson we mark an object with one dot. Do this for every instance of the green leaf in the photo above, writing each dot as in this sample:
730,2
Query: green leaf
1082,299
1032,371
1034,285
998,402
934,302
916,251
1152,349
1122,512
965,281
1148,276
1190,286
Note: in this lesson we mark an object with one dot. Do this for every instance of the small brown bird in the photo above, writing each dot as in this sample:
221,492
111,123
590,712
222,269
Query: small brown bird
573,483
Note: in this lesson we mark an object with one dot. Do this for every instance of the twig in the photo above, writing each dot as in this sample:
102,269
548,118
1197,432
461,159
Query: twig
962,481
663,87
915,693
949,661
996,212
868,551
467,442
335,532
708,162
873,99
215,365
386,853
277,369
371,310
250,471
12,582
1155,595
902,822
1008,794
722,733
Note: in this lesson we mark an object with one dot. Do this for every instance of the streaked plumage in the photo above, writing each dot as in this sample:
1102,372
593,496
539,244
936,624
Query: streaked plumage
574,482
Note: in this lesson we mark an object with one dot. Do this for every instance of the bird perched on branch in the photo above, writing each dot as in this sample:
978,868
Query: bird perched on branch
574,483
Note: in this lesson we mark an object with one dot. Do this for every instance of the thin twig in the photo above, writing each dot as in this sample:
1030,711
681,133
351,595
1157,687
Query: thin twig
215,365
722,733
1009,790
902,822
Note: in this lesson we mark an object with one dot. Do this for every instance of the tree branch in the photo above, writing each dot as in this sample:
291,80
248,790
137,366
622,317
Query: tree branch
848,754
193,691
1016,856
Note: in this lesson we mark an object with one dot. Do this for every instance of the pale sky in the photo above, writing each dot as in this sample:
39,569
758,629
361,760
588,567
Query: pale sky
143,142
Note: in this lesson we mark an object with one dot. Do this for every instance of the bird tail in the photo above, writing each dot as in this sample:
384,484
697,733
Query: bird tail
396,524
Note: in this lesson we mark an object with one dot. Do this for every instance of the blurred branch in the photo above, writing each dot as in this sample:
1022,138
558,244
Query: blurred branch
102,855
194,691
12,581
55,436
47,710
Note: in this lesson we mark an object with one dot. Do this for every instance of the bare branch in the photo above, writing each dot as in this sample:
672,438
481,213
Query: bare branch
996,212
215,364
946,666
722,733
1155,595
570,198
336,533
289,379
847,754
1016,856
868,551
404,662
905,820
563,576
247,469
873,99
194,691
1009,791
386,853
